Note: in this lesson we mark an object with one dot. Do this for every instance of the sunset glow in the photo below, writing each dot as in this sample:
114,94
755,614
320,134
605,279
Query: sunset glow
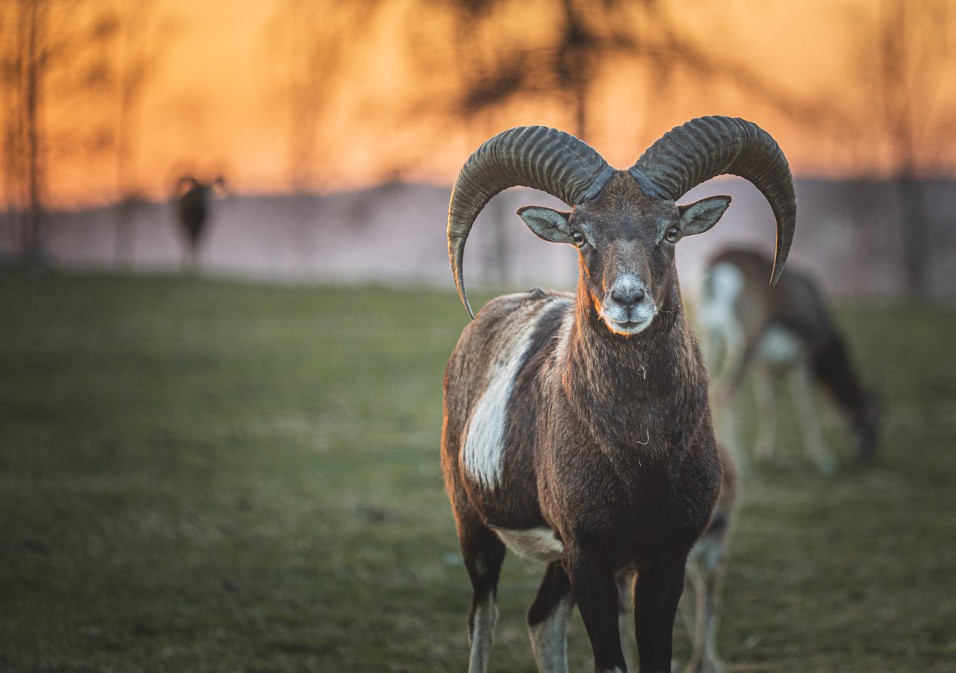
210,106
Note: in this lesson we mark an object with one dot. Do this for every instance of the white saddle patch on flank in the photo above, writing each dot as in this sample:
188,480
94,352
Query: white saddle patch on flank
483,450
536,544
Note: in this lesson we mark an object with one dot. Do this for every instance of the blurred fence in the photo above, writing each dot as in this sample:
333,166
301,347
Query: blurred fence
848,235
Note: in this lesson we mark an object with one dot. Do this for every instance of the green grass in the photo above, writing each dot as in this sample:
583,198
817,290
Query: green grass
215,476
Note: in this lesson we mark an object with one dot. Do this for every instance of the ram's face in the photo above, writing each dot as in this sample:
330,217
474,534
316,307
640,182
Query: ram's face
626,242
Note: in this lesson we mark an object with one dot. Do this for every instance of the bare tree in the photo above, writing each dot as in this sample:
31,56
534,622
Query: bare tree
26,61
496,68
12,44
136,52
309,45
902,54
579,46
47,55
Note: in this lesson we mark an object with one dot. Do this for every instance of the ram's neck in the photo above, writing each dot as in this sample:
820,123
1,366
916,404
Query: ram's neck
630,390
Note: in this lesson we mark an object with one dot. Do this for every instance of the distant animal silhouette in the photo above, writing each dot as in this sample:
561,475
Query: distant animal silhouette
193,207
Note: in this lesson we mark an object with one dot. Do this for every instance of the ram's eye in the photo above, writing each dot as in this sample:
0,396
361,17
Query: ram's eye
672,235
578,238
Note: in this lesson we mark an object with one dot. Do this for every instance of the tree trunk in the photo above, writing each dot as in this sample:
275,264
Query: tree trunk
33,239
915,229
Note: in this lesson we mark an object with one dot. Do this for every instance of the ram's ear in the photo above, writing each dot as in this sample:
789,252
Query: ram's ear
547,223
698,217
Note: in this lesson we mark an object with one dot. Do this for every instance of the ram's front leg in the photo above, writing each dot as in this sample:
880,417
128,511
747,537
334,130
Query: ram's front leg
595,590
656,595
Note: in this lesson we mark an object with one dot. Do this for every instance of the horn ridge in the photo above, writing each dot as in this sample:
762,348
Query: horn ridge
706,147
529,156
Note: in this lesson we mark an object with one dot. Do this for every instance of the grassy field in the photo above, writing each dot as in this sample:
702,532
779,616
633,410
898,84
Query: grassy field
215,476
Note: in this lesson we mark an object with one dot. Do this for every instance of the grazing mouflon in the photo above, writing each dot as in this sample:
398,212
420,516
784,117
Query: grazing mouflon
787,329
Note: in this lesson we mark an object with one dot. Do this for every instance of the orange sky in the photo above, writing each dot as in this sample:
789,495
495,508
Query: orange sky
207,108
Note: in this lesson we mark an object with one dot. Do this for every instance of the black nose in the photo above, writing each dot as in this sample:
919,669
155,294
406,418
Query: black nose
628,296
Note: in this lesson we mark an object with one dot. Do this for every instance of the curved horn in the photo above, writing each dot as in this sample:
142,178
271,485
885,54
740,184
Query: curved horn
709,146
527,156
